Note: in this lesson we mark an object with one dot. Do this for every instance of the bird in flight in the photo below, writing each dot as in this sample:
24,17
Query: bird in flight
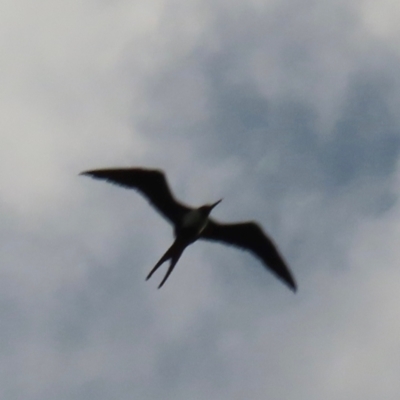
191,224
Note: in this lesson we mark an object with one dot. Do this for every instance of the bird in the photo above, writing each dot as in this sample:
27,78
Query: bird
191,224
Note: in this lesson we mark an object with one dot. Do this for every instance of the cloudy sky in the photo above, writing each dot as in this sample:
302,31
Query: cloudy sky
286,109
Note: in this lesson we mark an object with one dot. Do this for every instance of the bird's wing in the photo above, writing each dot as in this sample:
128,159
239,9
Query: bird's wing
150,182
250,236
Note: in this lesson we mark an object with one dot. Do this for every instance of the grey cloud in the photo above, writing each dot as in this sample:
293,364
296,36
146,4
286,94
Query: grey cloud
285,110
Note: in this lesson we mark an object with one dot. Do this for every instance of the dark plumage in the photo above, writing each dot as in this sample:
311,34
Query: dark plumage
191,224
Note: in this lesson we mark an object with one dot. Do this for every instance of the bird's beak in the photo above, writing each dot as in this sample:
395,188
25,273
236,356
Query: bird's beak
215,204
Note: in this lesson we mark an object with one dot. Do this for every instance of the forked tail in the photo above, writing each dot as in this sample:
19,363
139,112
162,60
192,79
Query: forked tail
173,253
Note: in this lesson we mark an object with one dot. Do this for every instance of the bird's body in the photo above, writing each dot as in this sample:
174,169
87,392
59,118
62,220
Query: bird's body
191,224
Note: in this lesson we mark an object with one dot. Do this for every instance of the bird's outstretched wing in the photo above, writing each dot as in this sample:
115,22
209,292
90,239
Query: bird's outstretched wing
250,236
151,183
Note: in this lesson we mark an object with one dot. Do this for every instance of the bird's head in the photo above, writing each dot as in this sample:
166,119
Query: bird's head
208,207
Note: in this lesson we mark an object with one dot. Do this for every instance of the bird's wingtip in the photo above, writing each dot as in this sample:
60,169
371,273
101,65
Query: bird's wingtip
91,174
293,286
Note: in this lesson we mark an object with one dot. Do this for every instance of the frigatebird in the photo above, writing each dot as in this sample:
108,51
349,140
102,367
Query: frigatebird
191,224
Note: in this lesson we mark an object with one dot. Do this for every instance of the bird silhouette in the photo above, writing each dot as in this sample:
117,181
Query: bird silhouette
191,224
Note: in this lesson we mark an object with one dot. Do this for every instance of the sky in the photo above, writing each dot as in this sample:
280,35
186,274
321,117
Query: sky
288,110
